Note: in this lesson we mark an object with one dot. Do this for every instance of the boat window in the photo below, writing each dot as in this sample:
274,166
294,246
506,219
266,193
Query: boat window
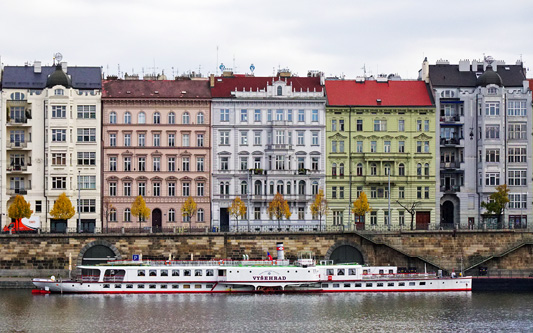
209,272
129,286
391,271
88,275
164,272
380,284
197,272
335,285
422,283
380,271
411,283
106,285
358,285
198,286
140,286
401,284
369,284
365,271
340,271
175,286
347,285
209,286
187,272
141,272
151,286
175,272
186,286
352,271
325,285
114,275
221,272
153,272
163,286
390,284
329,271
118,286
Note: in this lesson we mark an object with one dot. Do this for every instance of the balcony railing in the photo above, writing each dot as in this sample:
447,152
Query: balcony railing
17,144
279,146
450,141
17,121
450,189
450,165
18,190
17,167
449,119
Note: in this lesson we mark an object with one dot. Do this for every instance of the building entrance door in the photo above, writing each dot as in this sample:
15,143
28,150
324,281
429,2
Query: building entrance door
422,220
156,220
224,220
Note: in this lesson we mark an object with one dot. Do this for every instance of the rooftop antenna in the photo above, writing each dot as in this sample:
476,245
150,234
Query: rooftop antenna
364,69
234,68
118,74
57,56
172,71
217,63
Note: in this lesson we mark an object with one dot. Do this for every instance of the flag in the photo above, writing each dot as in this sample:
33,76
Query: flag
269,256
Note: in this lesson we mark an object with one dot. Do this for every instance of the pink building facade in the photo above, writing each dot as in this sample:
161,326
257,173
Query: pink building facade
156,143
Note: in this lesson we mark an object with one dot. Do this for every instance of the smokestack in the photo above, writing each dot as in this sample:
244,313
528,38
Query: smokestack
281,251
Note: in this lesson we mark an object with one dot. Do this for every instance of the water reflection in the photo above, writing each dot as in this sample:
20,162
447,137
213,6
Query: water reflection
463,311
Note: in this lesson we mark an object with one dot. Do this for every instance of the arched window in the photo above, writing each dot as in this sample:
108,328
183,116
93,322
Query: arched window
200,118
279,187
171,215
200,215
224,189
426,169
401,169
387,169
141,118
419,169
244,187
257,187
127,215
171,118
17,96
373,169
113,117
157,118
334,170
301,187
113,215
359,169
314,188
341,169
272,187
280,90
185,118
289,187
127,118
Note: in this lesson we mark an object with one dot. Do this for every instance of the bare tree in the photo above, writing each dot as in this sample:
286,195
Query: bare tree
107,211
410,207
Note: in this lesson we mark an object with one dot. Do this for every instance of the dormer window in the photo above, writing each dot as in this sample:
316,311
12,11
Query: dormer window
447,94
492,91
17,96
59,92
280,90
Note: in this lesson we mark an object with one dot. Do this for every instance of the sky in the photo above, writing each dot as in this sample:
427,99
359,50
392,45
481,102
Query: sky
340,38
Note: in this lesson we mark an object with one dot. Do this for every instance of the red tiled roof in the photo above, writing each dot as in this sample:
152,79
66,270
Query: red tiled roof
391,93
225,85
530,84
164,88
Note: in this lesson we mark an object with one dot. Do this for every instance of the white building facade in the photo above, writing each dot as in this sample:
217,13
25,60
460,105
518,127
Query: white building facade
268,137
51,142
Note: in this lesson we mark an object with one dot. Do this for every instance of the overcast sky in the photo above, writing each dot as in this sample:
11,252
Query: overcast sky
336,37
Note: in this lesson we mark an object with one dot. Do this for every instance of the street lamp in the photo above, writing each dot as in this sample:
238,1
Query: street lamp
79,202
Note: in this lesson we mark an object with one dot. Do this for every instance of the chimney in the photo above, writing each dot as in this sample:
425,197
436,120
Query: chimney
212,80
64,66
37,67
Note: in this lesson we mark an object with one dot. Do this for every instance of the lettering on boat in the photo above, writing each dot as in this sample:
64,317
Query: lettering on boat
269,276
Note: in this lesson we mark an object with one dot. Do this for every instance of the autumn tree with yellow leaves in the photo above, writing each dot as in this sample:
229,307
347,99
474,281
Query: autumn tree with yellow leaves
19,209
189,209
63,208
139,210
279,208
361,207
237,210
319,207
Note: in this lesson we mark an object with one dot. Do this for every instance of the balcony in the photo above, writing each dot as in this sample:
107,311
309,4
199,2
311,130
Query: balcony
17,168
450,165
257,171
454,141
451,119
18,190
450,189
279,146
17,144
17,121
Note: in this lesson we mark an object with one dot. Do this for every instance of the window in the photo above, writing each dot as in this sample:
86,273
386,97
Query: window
492,109
314,163
426,169
301,116
224,137
314,139
59,183
244,163
517,154
171,189
401,169
517,200
422,146
60,158
341,146
517,177
280,162
171,139
127,189
269,115
200,189
517,131
334,192
186,140
257,213
257,115
185,118
359,169
141,164
401,146
359,125
300,138
279,115
157,118
156,189
141,118
86,134
492,131
492,179
112,140
244,138
426,125
113,215
244,116
401,192
380,125
199,164
141,188
337,217
87,205
386,146
419,169
156,164
185,164
127,215
59,111
373,218
127,163
127,118
172,215
200,215
171,164
59,135
333,146
127,140
289,116
224,115
87,112
426,192
419,192
199,140
141,139
224,163
517,108
359,146
493,155
373,146
314,115
171,118
257,138
419,125
401,125
85,158
112,189
401,217
373,192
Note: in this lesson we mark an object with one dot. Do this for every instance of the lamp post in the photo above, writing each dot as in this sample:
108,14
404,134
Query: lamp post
79,202
249,197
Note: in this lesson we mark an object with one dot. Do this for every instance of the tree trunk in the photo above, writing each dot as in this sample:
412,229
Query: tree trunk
412,220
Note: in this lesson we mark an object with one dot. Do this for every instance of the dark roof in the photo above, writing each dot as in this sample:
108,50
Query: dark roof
442,75
58,78
367,93
24,77
225,85
156,89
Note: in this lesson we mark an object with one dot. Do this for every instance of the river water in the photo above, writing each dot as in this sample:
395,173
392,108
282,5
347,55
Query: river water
20,311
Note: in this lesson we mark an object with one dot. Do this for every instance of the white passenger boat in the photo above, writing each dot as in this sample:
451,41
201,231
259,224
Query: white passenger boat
233,276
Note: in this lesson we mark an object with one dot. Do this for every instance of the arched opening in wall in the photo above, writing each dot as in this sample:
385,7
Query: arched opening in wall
347,254
157,223
447,215
97,254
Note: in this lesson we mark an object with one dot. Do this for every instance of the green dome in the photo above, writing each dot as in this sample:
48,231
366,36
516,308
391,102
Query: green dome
58,78
489,77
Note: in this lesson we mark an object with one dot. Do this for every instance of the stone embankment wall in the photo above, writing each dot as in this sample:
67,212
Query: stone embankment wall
21,255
